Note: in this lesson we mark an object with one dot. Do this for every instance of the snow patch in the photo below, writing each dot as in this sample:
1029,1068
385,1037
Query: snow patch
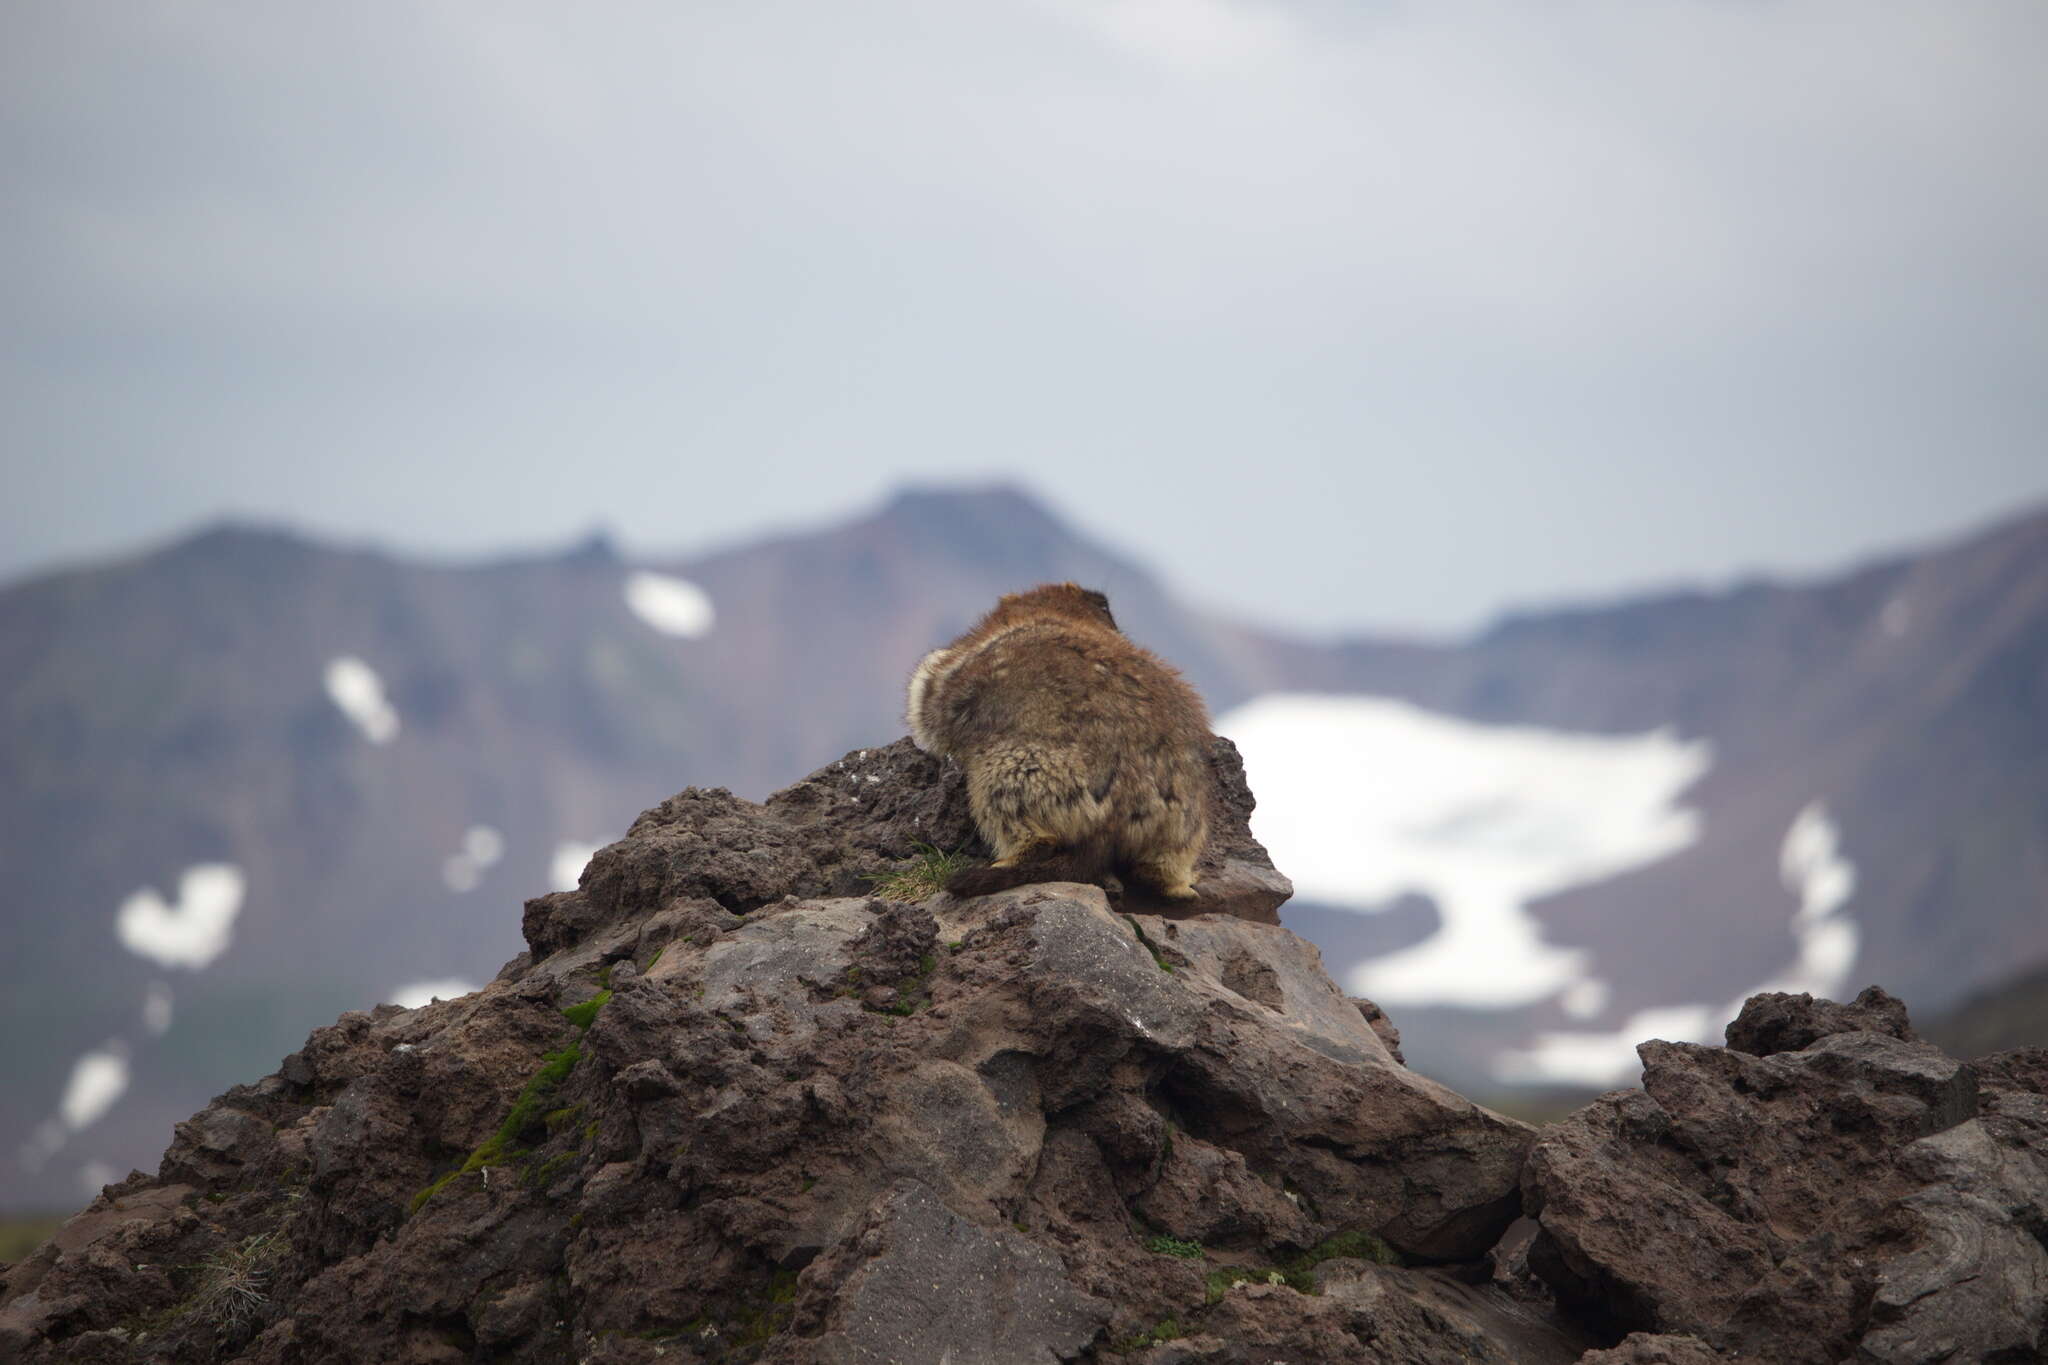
427,992
673,606
97,1080
1364,799
1812,867
1604,1060
156,1010
565,869
45,1142
355,687
482,846
1585,999
191,933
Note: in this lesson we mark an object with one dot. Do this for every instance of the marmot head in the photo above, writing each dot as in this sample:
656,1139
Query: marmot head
1067,599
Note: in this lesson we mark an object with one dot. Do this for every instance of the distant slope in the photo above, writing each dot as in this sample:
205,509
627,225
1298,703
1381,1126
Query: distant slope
390,756
2011,1015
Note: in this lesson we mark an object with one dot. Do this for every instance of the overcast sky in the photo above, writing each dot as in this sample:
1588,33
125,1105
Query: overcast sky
1339,314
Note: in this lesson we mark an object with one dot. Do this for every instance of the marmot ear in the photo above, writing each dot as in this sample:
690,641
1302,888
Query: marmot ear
1100,601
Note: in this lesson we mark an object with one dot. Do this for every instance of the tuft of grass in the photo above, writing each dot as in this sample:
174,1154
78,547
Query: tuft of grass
921,878
230,1294
1163,1245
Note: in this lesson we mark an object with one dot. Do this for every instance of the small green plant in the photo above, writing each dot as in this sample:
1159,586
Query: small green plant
920,878
1158,958
1163,1245
502,1147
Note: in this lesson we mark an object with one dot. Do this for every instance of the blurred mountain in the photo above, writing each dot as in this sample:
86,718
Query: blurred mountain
252,780
2013,1014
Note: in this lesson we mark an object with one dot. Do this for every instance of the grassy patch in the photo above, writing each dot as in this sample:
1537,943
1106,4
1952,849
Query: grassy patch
1166,1330
921,878
1163,1245
585,1014
1299,1274
503,1148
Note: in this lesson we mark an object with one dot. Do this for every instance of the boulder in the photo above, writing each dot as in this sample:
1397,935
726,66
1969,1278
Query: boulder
1830,1195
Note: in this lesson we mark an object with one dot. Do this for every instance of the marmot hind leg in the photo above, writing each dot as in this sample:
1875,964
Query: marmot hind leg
1171,874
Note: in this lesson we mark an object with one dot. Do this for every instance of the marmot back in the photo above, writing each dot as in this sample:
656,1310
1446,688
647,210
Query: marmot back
1085,754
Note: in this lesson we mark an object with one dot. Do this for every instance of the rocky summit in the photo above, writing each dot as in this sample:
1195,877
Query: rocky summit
757,1091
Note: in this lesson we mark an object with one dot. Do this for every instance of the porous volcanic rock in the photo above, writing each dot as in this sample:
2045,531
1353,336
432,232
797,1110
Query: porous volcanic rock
728,1107
1777,1022
1855,1196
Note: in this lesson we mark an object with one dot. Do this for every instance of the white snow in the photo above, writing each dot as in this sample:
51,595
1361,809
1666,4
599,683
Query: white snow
1811,865
156,1010
460,874
1604,1060
355,687
1585,999
1363,799
481,847
427,992
45,1142
673,606
565,869
97,1080
191,933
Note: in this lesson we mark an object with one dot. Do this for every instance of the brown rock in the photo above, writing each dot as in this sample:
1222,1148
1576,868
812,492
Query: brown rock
1776,1022
1859,1198
1645,1348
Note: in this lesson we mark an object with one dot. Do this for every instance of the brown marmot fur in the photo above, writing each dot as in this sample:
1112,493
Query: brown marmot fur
1085,754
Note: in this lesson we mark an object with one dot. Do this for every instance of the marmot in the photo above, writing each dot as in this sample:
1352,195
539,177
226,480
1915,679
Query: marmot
1085,754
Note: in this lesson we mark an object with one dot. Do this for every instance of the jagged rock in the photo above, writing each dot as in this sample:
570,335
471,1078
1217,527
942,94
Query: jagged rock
828,834
1389,1036
1776,1022
730,1107
1862,1197
1645,1348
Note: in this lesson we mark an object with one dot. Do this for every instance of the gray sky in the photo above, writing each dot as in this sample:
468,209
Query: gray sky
1338,314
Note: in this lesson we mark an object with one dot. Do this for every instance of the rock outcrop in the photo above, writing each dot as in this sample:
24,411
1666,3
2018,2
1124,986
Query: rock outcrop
1825,1189
734,1106
730,1107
